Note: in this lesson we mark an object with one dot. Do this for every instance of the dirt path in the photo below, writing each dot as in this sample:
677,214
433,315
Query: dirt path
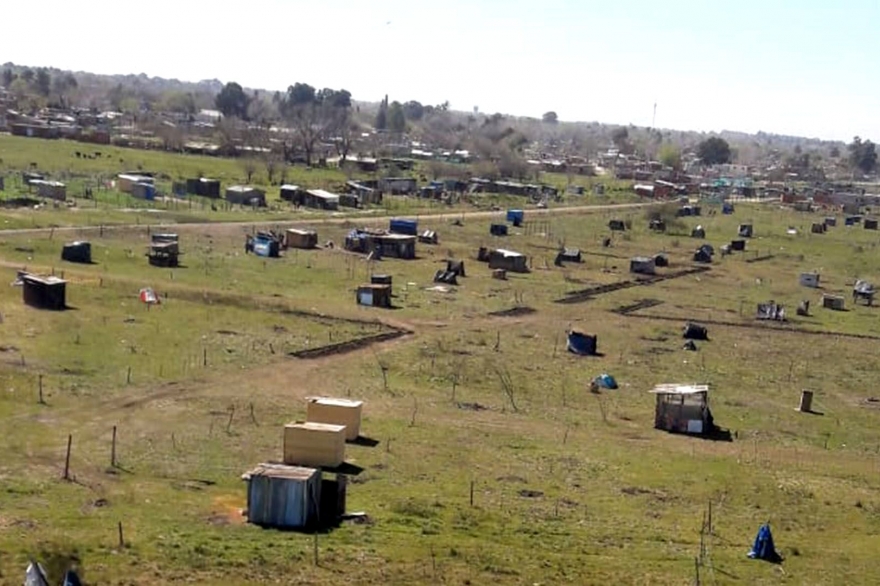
366,219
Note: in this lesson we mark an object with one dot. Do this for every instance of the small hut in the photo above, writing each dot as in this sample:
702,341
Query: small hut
738,245
498,229
44,292
835,302
508,260
568,255
374,295
727,208
515,217
863,290
429,237
164,250
581,344
79,251
616,225
246,195
337,412
661,260
456,266
642,265
830,221
657,225
296,238
694,331
870,223
314,444
683,408
809,280
283,497
698,232
263,244
818,228
704,254
770,311
745,231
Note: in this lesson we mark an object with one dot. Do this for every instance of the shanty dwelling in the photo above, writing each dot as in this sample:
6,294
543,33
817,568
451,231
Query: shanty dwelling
830,221
694,331
50,189
319,199
337,412
870,224
381,243
498,229
698,232
204,187
508,260
657,225
682,408
283,497
376,279
803,206
738,245
745,231
809,280
863,290
455,266
516,217
365,195
349,200
642,265
685,211
582,344
245,195
263,244
374,295
314,444
79,251
125,181
429,237
727,208
568,255
44,292
616,225
398,185
818,228
770,311
704,254
851,220
296,238
835,302
401,226
289,193
661,260
146,191
164,250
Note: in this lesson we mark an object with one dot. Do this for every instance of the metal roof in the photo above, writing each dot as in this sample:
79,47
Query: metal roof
281,471
679,389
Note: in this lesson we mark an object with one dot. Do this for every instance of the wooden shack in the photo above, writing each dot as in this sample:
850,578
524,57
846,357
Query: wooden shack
246,195
44,292
818,228
738,245
164,250
337,412
870,223
314,444
50,189
374,295
682,408
835,302
283,497
125,182
745,230
508,260
296,238
830,221
809,280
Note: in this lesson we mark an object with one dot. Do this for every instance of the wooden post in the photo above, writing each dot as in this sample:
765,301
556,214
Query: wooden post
40,382
806,405
316,548
113,450
128,376
204,357
472,493
67,458
121,538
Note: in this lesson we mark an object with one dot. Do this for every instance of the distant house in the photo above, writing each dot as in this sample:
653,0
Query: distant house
366,195
245,195
204,187
319,199
508,260
125,182
50,189
44,292
208,116
398,185
296,238
381,243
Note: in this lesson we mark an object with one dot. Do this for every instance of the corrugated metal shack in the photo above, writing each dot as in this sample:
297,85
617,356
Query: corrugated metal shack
381,242
284,497
296,238
204,187
79,251
245,195
50,189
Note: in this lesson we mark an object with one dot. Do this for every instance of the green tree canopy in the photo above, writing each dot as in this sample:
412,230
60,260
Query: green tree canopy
670,155
396,117
862,155
714,151
550,117
233,101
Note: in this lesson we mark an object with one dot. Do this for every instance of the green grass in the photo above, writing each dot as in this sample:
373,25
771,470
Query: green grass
619,500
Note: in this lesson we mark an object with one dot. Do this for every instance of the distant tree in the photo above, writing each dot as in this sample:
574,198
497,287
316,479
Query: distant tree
249,166
273,164
382,115
43,82
550,117
835,152
670,155
233,101
345,136
714,151
179,102
862,155
8,77
27,74
396,117
413,110
620,138
315,116
62,85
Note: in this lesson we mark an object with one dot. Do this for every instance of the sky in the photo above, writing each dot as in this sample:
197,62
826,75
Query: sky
803,68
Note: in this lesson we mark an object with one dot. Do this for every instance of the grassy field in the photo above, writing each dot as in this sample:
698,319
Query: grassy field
568,486
97,165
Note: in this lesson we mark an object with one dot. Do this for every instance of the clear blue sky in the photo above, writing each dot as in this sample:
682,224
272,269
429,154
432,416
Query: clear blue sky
804,67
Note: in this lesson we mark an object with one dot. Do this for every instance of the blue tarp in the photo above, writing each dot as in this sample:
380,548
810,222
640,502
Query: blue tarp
764,548
605,381
580,343
398,226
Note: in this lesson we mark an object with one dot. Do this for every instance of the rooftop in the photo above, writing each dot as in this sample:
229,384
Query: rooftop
679,389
